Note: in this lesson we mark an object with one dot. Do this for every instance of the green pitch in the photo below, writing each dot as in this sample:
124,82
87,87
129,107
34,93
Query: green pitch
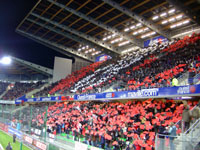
4,139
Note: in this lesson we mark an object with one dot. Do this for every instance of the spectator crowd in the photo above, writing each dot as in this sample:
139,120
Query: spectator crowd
115,124
155,66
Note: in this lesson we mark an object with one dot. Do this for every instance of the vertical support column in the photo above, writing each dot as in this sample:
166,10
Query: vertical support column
45,124
0,110
30,122
5,113
20,115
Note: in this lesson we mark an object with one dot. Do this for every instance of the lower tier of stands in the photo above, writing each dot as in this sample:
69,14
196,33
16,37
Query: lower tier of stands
113,124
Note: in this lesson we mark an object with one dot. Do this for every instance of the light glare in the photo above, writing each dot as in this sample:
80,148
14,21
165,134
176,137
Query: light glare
6,60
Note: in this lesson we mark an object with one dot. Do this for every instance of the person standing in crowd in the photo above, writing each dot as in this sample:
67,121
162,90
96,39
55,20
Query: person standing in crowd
196,113
174,82
102,142
172,133
14,138
191,74
162,131
186,117
9,147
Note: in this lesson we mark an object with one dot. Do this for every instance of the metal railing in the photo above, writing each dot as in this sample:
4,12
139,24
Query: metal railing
187,141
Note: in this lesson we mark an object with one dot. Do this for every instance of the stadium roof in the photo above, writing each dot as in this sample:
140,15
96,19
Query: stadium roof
94,27
22,67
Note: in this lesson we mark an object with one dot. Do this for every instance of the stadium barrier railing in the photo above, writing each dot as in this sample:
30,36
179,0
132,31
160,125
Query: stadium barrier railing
189,140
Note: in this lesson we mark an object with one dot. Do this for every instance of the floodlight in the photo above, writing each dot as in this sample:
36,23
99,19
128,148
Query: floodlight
6,60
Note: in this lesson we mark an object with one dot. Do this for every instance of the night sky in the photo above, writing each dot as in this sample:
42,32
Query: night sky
12,13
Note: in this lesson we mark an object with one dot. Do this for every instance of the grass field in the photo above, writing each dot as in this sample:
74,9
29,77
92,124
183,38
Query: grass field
4,139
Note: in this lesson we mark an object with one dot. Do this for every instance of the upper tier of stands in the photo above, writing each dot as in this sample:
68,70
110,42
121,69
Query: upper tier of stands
150,67
69,81
156,68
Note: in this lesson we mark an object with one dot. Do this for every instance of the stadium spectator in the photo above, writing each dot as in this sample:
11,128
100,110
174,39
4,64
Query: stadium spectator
196,113
152,67
9,147
105,124
14,138
162,132
186,117
20,89
172,135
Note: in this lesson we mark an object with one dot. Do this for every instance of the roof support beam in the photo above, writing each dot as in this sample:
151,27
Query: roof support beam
60,48
179,5
70,36
137,17
99,42
38,68
100,24
186,31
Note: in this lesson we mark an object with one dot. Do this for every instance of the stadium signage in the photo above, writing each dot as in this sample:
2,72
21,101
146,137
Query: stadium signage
34,143
183,90
144,93
40,145
4,127
6,102
30,100
40,99
154,92
86,97
150,92
15,131
28,139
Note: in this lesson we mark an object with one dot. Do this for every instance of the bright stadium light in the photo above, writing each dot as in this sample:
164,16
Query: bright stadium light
5,60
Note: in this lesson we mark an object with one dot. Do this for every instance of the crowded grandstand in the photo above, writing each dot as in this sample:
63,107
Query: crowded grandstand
134,84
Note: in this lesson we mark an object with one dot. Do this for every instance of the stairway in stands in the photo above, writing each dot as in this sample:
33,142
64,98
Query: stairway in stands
1,96
190,139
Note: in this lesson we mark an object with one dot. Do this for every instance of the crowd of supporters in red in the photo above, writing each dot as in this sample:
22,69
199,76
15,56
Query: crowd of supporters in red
154,68
104,124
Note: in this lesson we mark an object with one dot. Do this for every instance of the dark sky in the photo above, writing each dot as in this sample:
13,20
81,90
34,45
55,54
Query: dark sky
12,13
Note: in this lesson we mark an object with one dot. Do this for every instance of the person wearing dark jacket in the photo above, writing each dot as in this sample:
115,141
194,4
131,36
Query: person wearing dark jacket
162,132
9,147
14,138
102,142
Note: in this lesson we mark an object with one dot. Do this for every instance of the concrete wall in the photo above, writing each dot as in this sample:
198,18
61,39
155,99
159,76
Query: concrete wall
62,68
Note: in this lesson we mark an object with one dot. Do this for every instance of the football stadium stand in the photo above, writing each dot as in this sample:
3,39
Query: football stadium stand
135,83
151,67
20,89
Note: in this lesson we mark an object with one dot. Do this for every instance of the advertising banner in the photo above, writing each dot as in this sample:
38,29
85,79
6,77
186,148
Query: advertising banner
4,127
28,139
40,99
102,58
158,39
34,142
39,145
144,93
80,146
134,94
15,131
